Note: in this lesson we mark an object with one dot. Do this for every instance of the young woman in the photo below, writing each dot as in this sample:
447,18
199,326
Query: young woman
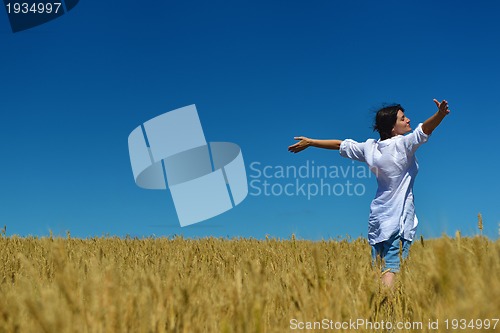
392,220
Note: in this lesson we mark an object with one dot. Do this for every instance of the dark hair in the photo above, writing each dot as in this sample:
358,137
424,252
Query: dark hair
385,119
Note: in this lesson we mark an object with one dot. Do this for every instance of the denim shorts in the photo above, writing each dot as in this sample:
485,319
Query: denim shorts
388,251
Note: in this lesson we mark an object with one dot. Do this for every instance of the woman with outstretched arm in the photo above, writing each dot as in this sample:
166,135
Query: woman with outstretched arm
392,221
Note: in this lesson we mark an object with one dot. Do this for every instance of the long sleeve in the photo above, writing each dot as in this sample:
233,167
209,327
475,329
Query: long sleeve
415,139
353,150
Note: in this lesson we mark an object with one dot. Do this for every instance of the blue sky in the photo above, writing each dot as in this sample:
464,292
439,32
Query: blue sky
260,73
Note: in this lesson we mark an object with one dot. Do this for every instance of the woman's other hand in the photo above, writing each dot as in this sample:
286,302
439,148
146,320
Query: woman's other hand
301,145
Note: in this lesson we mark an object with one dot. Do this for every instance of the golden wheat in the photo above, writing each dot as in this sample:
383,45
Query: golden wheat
240,285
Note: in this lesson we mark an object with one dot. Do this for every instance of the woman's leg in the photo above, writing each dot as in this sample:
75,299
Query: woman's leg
389,253
388,279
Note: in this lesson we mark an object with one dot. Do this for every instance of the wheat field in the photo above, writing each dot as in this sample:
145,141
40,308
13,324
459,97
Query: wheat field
108,284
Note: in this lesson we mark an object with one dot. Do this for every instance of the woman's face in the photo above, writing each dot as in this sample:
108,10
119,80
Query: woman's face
402,125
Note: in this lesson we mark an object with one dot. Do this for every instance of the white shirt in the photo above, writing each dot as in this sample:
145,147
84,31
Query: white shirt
394,163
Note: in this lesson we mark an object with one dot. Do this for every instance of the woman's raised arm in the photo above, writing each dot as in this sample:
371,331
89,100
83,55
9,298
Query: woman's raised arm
430,124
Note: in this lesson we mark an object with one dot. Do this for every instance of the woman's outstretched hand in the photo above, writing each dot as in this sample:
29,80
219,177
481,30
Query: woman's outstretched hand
301,145
430,124
443,106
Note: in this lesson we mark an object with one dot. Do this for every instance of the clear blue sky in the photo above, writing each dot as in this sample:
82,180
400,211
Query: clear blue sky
260,73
